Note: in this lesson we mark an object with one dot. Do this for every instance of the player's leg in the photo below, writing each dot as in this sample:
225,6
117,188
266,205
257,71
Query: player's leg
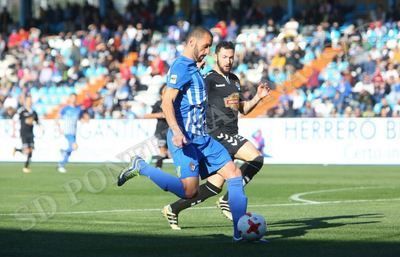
28,152
187,165
183,188
162,144
27,143
253,164
237,198
254,161
216,155
17,150
66,153
212,187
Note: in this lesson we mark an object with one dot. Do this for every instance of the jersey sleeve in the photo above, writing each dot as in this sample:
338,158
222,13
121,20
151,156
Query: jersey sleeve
62,111
80,112
178,76
239,87
209,82
17,116
35,117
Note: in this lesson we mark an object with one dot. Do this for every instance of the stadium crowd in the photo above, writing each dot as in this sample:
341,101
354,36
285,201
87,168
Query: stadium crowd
66,48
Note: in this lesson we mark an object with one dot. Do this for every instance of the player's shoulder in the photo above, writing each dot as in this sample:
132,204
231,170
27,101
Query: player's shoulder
212,74
23,111
180,64
233,76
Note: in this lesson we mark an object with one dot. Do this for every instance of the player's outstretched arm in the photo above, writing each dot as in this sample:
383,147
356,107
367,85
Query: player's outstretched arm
263,90
168,108
156,115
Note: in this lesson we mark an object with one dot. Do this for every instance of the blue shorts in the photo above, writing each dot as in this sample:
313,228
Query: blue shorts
202,156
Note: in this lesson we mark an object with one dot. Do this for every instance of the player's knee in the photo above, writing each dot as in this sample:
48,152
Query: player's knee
251,168
234,172
191,187
258,162
190,193
237,172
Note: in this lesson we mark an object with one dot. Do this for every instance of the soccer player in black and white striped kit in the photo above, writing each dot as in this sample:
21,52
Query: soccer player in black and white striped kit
224,104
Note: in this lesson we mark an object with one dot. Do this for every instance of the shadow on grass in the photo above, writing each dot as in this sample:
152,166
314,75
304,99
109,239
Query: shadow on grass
76,244
300,227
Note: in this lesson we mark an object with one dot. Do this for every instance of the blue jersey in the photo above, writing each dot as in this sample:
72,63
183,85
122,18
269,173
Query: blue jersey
191,102
70,116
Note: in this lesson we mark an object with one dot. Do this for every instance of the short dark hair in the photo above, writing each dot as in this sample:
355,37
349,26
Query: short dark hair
224,45
198,32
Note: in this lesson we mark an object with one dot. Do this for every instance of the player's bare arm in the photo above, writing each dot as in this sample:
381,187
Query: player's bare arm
168,108
263,90
157,115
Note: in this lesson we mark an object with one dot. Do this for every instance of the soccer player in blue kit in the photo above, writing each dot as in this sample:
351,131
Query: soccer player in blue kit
69,116
194,152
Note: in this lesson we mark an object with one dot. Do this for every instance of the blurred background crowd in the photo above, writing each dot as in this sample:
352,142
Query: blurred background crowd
68,47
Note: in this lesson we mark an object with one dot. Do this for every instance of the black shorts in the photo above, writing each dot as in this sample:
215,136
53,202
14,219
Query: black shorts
232,142
27,141
162,139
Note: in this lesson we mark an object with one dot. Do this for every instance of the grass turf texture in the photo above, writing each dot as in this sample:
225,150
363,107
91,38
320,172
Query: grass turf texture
351,211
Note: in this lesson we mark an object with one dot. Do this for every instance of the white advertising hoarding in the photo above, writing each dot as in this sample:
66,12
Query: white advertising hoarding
287,141
326,141
98,140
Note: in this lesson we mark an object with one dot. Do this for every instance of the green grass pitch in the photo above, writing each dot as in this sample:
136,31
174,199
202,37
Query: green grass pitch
311,210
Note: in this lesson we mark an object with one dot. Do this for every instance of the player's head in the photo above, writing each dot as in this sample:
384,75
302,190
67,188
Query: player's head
198,44
225,52
28,101
73,99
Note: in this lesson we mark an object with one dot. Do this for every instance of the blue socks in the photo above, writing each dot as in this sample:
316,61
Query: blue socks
237,201
162,179
66,155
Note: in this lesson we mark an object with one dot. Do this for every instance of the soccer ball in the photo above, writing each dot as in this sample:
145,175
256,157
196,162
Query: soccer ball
252,226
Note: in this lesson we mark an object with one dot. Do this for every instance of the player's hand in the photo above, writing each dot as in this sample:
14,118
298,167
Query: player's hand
179,140
263,90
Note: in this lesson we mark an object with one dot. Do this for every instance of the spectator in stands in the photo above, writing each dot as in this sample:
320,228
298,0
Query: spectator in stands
59,64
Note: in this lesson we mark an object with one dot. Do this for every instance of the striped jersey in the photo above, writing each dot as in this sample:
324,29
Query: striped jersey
191,102
69,117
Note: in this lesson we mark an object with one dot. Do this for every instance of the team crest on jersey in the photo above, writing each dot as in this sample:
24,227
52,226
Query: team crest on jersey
178,171
173,78
237,84
232,101
192,166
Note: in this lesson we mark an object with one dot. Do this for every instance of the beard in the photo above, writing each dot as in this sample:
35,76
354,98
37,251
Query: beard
223,69
196,56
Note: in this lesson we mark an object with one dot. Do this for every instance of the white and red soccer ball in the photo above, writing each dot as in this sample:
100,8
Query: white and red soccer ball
252,226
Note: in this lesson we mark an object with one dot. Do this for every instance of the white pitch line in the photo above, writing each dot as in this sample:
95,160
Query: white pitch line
297,197
207,207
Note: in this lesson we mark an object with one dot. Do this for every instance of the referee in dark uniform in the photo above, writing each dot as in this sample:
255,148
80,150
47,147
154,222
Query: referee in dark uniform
27,118
224,104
